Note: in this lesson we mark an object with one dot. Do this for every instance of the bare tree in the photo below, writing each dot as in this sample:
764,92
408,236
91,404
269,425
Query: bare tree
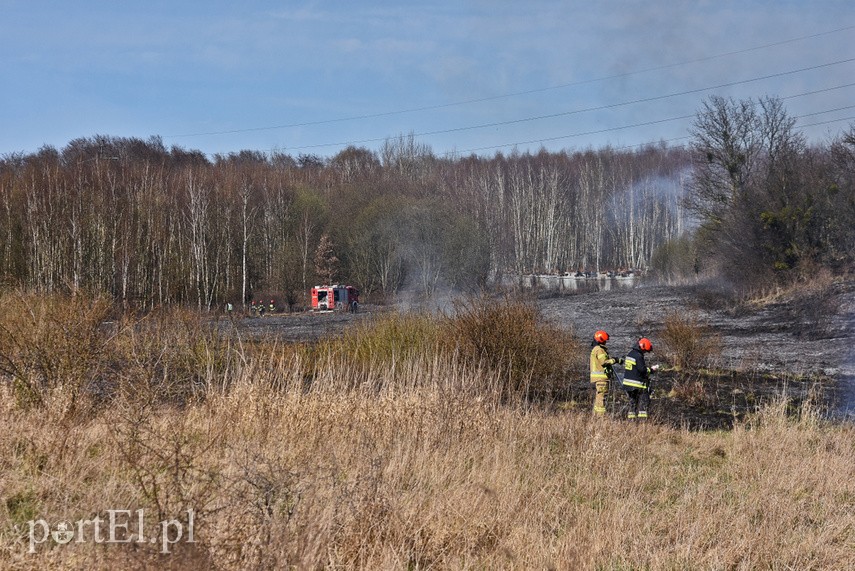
725,145
405,157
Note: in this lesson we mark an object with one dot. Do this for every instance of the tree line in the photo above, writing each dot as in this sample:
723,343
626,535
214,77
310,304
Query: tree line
150,225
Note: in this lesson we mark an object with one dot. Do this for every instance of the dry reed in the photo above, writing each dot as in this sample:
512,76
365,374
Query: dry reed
293,459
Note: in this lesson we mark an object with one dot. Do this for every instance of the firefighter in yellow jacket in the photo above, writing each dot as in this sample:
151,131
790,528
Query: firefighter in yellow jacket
600,365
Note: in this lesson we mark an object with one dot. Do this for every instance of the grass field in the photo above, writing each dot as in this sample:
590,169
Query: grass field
411,443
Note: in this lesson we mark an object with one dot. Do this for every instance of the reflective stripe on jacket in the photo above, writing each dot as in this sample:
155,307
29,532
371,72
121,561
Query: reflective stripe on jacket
599,361
637,374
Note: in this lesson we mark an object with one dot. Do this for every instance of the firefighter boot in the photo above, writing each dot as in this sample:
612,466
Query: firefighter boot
633,404
643,404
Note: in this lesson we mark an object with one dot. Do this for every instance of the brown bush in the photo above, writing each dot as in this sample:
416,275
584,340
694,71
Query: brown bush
67,354
693,390
524,356
53,348
687,343
171,355
511,339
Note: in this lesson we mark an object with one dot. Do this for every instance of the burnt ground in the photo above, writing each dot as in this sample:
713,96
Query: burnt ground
308,326
799,346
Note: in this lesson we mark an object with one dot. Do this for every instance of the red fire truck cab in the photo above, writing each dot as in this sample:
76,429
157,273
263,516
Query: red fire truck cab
335,297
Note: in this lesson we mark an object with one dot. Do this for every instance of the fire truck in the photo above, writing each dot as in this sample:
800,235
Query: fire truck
335,298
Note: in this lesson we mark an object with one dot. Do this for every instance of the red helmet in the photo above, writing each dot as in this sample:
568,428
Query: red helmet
601,336
644,344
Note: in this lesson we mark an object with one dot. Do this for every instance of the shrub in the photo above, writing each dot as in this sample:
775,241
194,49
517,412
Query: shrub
692,390
688,343
53,348
170,355
392,338
65,353
509,337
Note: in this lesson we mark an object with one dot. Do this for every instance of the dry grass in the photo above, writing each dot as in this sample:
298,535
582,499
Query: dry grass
523,357
425,480
424,465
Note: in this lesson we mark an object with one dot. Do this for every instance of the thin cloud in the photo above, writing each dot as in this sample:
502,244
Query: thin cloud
236,67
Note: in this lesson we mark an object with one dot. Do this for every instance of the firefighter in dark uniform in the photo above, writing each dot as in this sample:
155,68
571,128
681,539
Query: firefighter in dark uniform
636,380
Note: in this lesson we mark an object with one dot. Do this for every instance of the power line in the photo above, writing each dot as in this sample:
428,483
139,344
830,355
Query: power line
642,124
582,134
513,94
596,108
828,122
824,112
827,89
684,137
610,129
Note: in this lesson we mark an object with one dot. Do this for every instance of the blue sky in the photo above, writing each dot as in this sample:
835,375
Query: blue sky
312,77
